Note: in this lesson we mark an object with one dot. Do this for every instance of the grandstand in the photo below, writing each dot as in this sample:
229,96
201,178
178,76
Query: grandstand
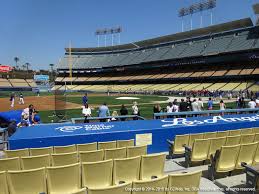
17,84
220,57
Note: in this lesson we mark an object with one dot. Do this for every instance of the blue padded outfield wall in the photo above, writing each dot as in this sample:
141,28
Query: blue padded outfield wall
11,115
159,130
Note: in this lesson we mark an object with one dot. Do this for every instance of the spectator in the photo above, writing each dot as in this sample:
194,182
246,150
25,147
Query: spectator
35,117
242,103
189,104
157,109
251,103
200,104
170,109
114,114
222,106
85,99
123,111
175,106
28,111
257,102
103,112
86,112
195,105
183,106
135,110
210,104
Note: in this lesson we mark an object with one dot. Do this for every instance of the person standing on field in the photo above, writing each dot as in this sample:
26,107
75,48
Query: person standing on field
12,98
21,99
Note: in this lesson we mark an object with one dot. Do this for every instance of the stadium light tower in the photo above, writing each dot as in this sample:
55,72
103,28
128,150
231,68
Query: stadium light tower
195,8
108,31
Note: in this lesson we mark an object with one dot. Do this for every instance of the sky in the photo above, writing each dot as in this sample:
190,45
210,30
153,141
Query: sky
37,31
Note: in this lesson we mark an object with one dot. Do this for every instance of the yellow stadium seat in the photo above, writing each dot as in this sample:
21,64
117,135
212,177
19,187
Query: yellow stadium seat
116,189
193,137
10,164
86,147
177,146
210,135
27,181
152,166
246,154
97,174
91,156
81,191
233,140
64,149
64,159
256,156
33,162
224,160
222,133
41,151
198,152
215,144
136,151
234,132
125,143
256,130
126,170
3,183
149,184
247,131
115,153
256,139
185,181
16,153
249,138
64,179
107,145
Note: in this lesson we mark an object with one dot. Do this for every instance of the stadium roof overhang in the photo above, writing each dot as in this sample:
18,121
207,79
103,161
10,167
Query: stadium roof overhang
229,26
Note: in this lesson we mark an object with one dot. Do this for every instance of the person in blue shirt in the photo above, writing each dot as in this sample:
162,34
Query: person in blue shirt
103,112
85,99
210,104
35,117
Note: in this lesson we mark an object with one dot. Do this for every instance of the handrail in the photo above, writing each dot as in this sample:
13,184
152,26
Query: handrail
109,117
206,112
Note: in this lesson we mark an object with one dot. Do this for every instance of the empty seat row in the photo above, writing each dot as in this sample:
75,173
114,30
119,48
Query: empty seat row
69,148
176,146
31,162
203,149
230,158
95,175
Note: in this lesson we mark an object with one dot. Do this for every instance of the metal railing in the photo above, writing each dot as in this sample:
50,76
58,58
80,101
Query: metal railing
205,113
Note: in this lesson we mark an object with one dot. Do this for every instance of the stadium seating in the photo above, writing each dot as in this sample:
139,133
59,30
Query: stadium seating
10,164
91,156
87,147
64,159
116,189
107,145
41,151
33,162
115,153
16,153
133,151
125,143
246,154
3,183
64,149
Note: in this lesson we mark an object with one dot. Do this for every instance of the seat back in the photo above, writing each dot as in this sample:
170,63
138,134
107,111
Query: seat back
185,181
97,174
256,156
3,183
64,149
200,149
246,154
33,162
125,143
10,164
193,137
256,130
115,153
41,151
152,165
256,139
227,158
27,181
126,170
234,132
81,191
232,140
64,159
116,189
222,133
249,138
161,182
179,141
16,153
210,135
91,156
106,145
87,147
247,131
136,151
216,144
64,179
